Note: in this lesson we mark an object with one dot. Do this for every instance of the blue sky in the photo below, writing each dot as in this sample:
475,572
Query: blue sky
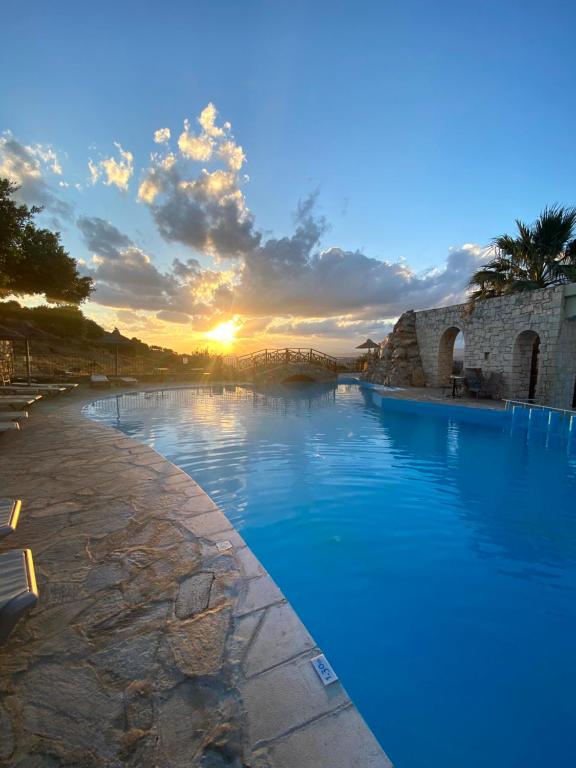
422,125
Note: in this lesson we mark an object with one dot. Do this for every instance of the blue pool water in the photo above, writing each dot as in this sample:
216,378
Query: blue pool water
433,558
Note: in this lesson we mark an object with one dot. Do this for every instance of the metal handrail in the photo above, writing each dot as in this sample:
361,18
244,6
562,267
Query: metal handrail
525,404
265,358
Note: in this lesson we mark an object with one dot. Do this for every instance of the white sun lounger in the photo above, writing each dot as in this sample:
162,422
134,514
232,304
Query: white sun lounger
125,381
9,514
99,380
18,590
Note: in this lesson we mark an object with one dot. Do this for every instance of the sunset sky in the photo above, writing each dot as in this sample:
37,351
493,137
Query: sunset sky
303,171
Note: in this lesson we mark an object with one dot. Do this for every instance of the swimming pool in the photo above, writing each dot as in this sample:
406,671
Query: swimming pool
432,557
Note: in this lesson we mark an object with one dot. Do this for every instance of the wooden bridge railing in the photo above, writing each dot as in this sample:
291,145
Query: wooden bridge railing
270,358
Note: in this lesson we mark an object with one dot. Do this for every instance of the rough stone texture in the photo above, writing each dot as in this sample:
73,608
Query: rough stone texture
193,595
399,364
149,645
495,337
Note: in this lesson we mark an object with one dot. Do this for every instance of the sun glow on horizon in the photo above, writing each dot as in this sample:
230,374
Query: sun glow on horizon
224,333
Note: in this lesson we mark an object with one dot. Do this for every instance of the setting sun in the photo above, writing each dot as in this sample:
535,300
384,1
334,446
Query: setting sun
224,334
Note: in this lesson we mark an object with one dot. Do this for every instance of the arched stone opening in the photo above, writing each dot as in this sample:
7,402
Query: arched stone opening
525,365
450,354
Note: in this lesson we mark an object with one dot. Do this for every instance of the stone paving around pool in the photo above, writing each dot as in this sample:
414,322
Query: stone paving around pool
154,643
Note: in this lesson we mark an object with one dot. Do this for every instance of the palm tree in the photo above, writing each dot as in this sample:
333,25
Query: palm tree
541,255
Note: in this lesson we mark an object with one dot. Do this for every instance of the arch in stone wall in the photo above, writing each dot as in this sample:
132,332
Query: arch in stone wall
524,376
446,354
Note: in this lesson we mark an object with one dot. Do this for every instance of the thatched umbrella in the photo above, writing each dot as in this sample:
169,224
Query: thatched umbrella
368,344
117,340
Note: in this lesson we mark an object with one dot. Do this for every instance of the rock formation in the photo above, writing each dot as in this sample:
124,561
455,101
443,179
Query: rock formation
399,364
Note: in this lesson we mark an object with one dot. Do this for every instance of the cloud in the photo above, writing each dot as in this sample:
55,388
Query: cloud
115,172
203,208
102,238
29,166
126,277
294,276
162,135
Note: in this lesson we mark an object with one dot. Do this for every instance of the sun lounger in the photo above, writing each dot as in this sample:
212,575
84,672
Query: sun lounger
68,385
13,415
13,401
9,514
18,590
98,380
9,426
33,390
19,385
125,381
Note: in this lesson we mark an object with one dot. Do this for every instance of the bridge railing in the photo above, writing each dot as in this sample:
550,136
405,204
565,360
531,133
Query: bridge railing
270,358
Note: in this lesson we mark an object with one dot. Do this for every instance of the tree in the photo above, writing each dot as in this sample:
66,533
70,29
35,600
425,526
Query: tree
540,255
32,260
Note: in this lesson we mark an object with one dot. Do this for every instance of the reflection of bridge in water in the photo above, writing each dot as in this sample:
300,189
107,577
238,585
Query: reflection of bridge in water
275,366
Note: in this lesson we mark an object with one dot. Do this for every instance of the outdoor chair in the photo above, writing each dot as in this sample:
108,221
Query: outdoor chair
18,590
9,514
99,380
494,384
475,383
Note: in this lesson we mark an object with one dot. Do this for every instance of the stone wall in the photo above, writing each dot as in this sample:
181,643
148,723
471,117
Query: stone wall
498,335
6,358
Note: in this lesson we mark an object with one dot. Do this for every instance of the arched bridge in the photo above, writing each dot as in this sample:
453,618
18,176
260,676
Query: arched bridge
276,366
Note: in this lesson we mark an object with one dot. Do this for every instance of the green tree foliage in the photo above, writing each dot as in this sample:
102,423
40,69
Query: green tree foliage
64,322
540,255
32,260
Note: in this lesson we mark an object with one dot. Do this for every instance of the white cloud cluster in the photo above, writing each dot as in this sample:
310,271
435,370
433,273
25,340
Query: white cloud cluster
201,208
114,171
30,167
162,135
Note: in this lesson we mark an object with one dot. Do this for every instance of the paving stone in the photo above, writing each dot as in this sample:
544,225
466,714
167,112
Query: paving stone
74,704
133,658
286,697
250,566
193,595
330,742
280,636
198,646
208,524
7,735
258,593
